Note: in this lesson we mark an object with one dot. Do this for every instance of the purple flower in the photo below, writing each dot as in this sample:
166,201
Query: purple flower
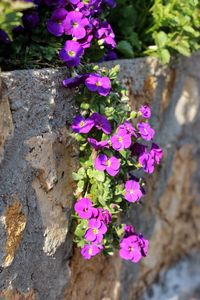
4,37
111,3
138,149
133,192
156,153
99,84
133,247
86,41
101,123
81,125
84,208
56,3
111,165
71,53
73,82
121,140
130,249
56,24
129,128
30,19
89,251
98,145
146,132
128,230
89,7
110,55
75,24
147,162
74,1
96,230
104,215
145,111
144,244
105,35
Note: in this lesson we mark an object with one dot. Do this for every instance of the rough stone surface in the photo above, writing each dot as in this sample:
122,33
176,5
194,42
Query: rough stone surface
37,157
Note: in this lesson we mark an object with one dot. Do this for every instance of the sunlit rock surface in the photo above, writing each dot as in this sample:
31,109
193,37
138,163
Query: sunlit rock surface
37,157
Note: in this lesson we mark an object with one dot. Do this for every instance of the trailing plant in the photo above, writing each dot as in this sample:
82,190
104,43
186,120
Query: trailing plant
115,143
109,136
115,148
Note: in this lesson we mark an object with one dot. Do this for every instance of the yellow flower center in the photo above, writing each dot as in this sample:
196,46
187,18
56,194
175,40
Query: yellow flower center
98,83
75,24
90,251
95,230
71,53
108,163
82,123
120,139
131,191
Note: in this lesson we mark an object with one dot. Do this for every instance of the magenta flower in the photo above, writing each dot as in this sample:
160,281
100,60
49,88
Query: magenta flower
84,208
130,249
99,84
106,35
156,153
145,111
147,162
98,145
104,215
81,125
129,230
71,53
129,128
96,230
121,140
101,123
75,24
146,132
144,245
133,192
134,247
111,165
56,24
89,251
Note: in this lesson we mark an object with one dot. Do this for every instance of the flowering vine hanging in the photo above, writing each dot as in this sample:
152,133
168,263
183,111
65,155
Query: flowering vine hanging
115,143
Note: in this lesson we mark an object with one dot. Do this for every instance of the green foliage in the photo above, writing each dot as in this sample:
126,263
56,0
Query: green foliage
160,28
103,190
11,13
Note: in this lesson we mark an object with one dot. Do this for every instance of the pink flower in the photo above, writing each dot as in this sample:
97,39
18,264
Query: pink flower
96,230
84,208
133,191
89,251
111,165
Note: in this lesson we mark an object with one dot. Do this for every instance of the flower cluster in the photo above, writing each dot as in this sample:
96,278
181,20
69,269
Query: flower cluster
114,145
81,23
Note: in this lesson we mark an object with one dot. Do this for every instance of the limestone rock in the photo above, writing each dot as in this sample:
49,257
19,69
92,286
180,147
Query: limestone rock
39,156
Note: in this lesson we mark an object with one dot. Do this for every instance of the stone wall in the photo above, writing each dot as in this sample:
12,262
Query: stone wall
37,157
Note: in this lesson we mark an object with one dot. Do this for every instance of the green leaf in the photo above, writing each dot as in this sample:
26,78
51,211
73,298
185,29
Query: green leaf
161,39
125,49
100,176
164,56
